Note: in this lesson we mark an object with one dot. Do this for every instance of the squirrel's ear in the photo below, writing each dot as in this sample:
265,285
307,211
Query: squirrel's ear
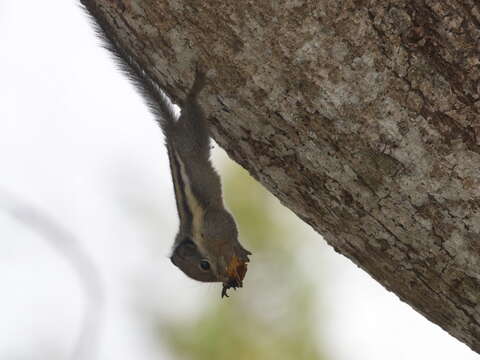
186,249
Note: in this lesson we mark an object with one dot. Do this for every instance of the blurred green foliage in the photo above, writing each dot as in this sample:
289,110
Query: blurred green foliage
273,315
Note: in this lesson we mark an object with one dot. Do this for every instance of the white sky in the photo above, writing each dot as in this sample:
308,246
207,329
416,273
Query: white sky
74,138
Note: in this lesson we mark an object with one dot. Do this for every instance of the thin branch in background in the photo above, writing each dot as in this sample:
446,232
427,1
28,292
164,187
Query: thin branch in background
70,247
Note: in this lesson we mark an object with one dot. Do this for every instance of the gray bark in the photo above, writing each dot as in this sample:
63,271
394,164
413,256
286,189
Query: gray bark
360,116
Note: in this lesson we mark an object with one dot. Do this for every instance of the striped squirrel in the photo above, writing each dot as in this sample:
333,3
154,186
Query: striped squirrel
206,247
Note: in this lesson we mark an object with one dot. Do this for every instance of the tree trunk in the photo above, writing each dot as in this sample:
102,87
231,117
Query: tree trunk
360,116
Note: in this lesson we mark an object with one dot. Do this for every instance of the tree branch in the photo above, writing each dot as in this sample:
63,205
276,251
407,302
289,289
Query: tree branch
68,246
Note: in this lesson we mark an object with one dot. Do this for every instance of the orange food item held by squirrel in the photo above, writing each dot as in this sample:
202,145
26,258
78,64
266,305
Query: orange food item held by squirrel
236,271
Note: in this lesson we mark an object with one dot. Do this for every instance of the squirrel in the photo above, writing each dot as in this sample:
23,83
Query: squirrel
206,247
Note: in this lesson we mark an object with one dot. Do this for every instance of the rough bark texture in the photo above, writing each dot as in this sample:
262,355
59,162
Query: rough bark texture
360,116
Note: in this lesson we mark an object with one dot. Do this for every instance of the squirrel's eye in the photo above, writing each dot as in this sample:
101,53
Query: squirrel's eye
204,265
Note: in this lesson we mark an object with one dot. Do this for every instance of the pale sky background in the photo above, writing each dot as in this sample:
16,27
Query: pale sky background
76,139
